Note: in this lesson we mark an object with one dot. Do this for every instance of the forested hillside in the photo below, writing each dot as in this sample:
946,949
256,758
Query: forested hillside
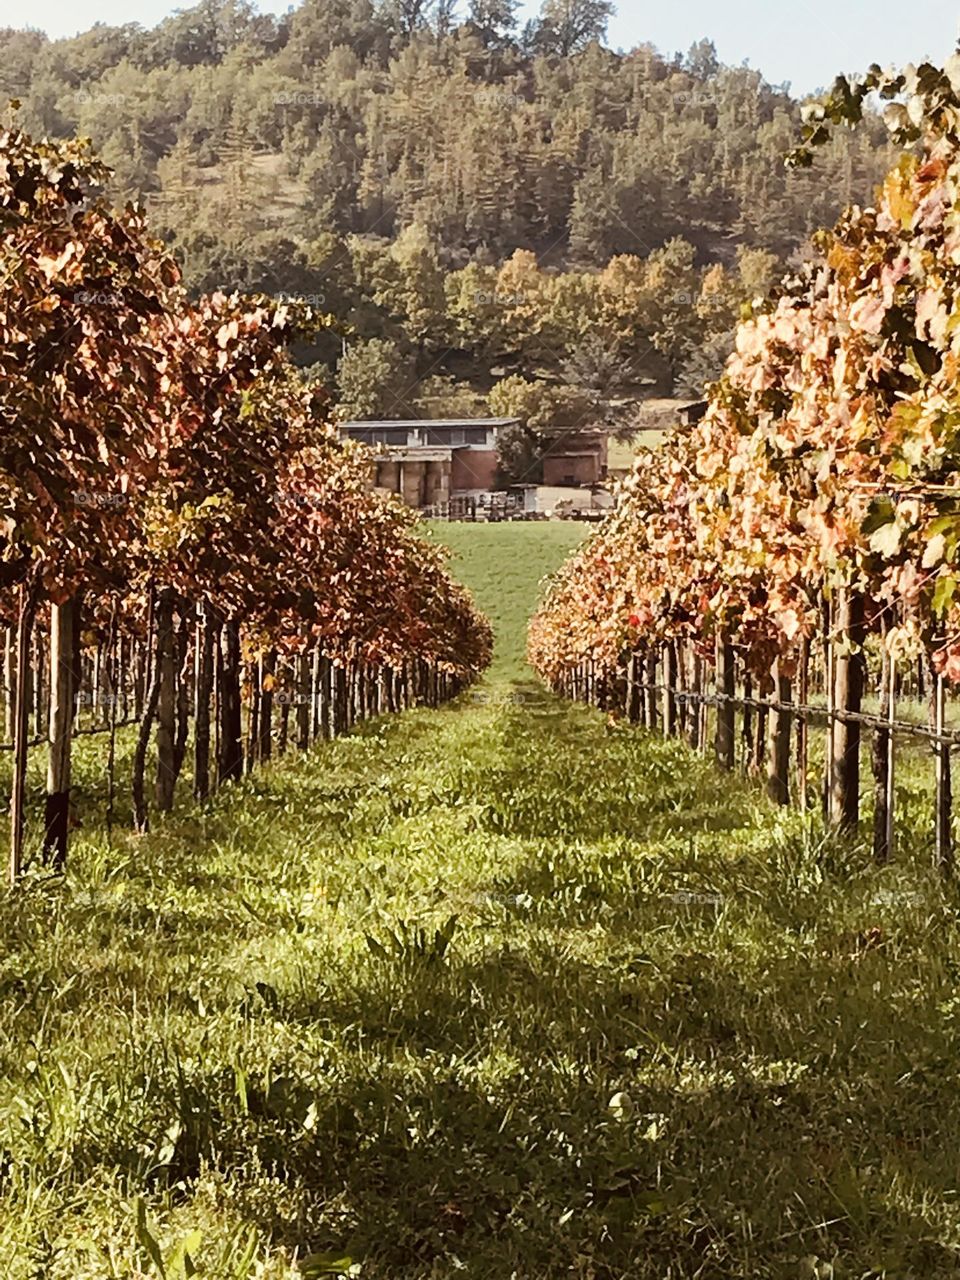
387,159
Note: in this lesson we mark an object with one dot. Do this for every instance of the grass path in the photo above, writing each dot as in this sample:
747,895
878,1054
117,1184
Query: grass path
493,991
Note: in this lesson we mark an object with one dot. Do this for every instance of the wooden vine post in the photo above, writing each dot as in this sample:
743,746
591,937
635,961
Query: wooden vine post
755,762
778,777
183,682
882,760
803,726
166,702
669,685
230,705
304,716
726,712
650,691
20,695
943,842
63,640
829,690
268,675
203,690
848,700
633,694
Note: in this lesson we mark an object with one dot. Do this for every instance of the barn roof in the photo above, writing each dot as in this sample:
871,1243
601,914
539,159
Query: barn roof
407,423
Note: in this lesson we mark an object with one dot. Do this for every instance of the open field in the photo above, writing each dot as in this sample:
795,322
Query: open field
503,565
494,991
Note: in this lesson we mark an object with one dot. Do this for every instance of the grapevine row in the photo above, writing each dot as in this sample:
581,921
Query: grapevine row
819,497
178,517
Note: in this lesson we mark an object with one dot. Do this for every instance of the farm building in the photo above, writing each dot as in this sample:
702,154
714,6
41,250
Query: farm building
574,456
430,462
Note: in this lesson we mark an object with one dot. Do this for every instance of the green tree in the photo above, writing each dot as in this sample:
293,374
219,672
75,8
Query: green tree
494,19
519,456
374,381
566,26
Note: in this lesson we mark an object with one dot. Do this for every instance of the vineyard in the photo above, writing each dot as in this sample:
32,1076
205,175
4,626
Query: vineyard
339,941
432,1000
795,553
186,542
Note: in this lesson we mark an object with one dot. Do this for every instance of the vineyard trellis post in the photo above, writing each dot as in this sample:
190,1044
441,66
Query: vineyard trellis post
166,701
206,637
882,758
230,764
669,689
848,697
63,643
21,723
943,832
726,721
803,724
778,777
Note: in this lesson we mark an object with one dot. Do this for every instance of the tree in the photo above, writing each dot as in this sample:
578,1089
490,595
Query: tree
319,26
672,289
567,26
494,19
519,455
701,60
409,16
443,16
374,382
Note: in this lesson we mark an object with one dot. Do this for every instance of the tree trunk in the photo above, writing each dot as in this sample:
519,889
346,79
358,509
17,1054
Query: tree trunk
64,630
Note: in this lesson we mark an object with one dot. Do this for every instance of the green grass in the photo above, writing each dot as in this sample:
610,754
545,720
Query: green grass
621,454
495,991
504,564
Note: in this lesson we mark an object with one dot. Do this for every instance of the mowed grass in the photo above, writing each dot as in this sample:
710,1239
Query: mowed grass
496,991
504,564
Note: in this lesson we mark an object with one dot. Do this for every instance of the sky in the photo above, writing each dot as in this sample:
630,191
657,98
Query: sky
803,44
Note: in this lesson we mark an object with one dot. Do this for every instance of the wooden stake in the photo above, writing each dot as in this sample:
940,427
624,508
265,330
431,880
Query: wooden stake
166,703
943,831
63,628
206,639
778,778
21,726
848,687
803,728
670,684
726,712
